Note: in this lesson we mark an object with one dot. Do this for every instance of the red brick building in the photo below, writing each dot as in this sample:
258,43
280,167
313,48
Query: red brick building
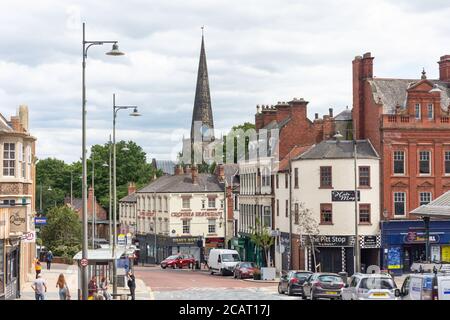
407,121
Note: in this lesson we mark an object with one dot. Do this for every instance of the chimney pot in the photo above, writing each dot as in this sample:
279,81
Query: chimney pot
316,116
194,173
330,112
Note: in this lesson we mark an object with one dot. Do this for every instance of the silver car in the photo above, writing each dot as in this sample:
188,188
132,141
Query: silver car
370,287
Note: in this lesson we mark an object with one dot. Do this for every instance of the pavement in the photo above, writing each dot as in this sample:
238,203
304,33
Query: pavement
71,274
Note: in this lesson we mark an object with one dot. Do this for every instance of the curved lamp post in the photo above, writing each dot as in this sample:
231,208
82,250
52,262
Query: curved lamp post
114,52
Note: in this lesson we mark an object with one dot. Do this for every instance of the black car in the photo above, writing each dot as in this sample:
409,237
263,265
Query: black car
292,282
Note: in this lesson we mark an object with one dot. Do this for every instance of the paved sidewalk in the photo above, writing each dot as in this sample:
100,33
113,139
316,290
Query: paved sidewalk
71,274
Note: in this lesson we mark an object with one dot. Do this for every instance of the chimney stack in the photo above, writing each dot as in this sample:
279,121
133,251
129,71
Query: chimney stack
23,116
131,188
444,68
316,116
194,173
187,169
221,172
179,170
330,111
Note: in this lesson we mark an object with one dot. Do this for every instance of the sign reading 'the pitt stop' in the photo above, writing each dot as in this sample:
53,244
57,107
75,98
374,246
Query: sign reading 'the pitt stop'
344,195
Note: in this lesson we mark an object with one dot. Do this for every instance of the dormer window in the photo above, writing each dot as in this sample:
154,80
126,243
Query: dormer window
430,111
417,110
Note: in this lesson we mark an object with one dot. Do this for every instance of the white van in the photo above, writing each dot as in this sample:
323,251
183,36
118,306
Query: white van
223,261
426,286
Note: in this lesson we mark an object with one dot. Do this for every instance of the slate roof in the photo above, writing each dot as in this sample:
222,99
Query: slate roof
345,115
332,149
166,166
5,126
183,184
129,198
393,92
438,208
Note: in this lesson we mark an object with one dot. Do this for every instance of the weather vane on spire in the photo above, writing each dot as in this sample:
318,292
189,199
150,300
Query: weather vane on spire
203,27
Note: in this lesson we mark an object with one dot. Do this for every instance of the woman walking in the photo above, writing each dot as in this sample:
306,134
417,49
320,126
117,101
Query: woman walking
131,284
37,267
104,288
61,284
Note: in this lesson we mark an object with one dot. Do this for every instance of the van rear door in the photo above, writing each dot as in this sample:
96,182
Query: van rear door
415,288
444,288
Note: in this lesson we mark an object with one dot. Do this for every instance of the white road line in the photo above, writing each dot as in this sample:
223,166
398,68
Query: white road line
152,296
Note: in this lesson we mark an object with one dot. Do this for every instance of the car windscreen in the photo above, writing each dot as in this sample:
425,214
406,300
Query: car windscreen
377,283
228,257
247,265
329,278
301,275
172,257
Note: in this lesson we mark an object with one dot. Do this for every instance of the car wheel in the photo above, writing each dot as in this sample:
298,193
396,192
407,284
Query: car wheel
163,267
221,272
234,275
280,291
173,266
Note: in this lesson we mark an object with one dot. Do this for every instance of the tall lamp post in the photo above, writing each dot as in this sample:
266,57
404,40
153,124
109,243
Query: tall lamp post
135,113
114,52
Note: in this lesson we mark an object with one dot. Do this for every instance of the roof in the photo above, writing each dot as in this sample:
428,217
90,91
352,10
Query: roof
129,198
345,115
438,208
166,166
333,149
293,154
100,254
393,92
183,183
231,171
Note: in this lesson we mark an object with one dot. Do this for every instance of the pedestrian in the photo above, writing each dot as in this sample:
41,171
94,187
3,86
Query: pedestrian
49,259
92,288
37,267
39,287
104,288
131,284
61,284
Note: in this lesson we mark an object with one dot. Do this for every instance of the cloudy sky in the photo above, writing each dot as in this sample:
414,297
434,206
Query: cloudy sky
258,52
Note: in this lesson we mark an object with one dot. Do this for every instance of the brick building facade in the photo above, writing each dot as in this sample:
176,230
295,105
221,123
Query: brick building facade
408,122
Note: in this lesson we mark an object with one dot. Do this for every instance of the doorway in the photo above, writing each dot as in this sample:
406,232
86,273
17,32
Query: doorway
413,253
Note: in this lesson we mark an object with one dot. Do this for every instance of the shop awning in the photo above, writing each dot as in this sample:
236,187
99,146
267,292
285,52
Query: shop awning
100,254
438,208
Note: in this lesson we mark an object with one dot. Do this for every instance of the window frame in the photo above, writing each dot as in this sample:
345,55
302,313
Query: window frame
323,207
369,213
430,107
9,158
430,194
183,205
186,225
417,111
395,202
210,224
446,162
210,201
323,173
397,153
420,162
295,178
368,177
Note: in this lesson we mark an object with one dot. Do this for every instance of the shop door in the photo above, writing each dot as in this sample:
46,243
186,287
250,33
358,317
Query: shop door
330,259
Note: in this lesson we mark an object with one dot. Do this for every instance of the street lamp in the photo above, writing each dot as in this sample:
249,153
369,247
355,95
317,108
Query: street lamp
134,114
114,52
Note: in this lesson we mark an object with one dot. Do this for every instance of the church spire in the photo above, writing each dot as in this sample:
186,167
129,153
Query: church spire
202,104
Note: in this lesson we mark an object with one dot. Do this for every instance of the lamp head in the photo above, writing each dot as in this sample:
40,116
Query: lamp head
338,136
115,51
135,113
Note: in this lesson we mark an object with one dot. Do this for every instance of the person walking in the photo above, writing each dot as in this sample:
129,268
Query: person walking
92,288
61,284
49,259
37,267
132,284
39,287
104,288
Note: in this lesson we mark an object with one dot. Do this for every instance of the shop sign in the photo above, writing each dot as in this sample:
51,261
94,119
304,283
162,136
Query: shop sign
18,219
419,237
194,241
445,254
394,257
333,241
370,242
121,241
208,214
344,195
29,237
214,240
435,253
40,221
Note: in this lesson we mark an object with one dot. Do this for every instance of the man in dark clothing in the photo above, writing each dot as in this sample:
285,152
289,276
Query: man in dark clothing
49,259
131,284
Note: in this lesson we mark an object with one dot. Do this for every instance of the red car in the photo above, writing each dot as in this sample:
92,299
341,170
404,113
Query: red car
244,270
179,261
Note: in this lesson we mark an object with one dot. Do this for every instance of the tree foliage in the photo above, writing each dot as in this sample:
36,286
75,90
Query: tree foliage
63,229
309,227
262,238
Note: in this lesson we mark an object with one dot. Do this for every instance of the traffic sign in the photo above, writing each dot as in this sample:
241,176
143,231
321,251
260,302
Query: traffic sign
40,221
84,262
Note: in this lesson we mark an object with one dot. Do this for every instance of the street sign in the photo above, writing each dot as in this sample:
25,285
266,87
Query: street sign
40,221
84,262
121,241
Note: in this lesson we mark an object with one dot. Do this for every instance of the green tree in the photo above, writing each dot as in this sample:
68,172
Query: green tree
233,134
63,233
262,238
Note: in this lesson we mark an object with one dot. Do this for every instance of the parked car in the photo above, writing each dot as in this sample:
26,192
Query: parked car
244,270
223,261
292,282
179,261
370,287
426,286
323,285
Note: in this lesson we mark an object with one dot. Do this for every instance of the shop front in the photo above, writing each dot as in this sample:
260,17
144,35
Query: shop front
238,244
11,274
330,253
403,243
370,250
214,243
153,249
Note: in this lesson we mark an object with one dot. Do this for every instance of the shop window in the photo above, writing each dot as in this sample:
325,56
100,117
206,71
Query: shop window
425,198
325,177
364,213
364,176
424,162
326,214
399,203
399,162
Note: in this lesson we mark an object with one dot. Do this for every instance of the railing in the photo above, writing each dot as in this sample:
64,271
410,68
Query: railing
444,119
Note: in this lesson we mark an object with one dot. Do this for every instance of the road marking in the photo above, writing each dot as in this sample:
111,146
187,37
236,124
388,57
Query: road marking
152,296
